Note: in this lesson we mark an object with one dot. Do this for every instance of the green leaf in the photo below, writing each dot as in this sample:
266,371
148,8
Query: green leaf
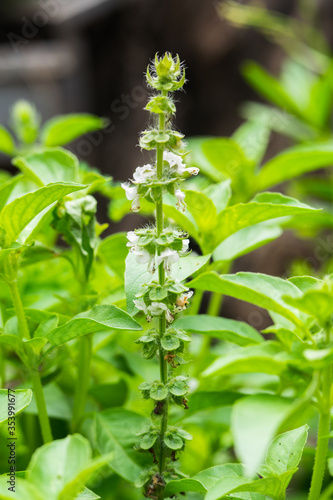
23,490
22,400
169,342
246,240
116,431
7,144
6,189
293,162
200,400
285,451
148,440
237,332
173,441
269,87
178,387
14,342
203,210
64,129
17,214
48,166
273,487
253,137
158,391
99,318
316,303
59,469
112,251
262,358
259,289
263,207
254,421
183,485
197,158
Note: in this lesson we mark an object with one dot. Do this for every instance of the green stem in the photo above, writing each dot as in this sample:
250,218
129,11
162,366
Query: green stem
195,303
215,303
82,383
161,277
323,434
35,377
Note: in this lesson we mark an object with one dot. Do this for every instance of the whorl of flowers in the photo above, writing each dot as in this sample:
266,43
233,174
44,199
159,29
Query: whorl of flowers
158,248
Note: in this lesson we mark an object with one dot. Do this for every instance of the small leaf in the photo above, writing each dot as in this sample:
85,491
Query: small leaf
169,342
158,391
173,440
148,440
178,388
64,129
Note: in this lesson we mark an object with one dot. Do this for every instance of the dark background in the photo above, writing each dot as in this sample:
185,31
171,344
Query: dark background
90,56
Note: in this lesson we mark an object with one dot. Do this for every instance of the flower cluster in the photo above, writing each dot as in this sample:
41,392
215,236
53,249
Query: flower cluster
146,184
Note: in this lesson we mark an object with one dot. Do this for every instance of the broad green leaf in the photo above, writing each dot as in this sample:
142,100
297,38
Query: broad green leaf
259,289
220,194
17,214
246,240
253,137
285,451
7,144
22,400
254,421
185,221
273,487
209,477
269,87
263,207
23,490
226,156
262,358
48,166
65,128
6,189
103,317
305,283
116,431
87,494
112,250
237,332
60,469
293,162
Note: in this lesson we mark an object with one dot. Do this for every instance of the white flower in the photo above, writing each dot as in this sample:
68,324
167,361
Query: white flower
158,308
168,257
192,170
182,301
174,161
132,194
185,247
144,257
140,304
141,174
180,195
132,239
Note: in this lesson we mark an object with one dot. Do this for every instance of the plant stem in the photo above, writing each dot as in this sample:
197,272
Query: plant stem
82,383
215,303
35,377
161,278
323,434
